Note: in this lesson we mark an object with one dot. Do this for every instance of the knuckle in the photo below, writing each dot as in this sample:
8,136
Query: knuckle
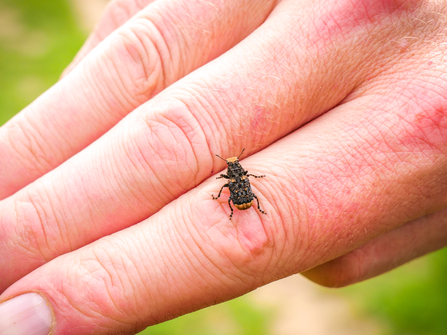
240,251
100,275
119,11
176,138
109,277
32,227
42,222
27,144
142,59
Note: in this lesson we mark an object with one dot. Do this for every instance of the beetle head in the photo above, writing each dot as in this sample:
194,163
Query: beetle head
232,160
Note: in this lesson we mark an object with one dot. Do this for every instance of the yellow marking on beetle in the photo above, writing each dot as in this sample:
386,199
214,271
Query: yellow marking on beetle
244,206
232,159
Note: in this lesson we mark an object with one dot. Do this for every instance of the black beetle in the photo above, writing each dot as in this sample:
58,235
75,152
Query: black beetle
239,185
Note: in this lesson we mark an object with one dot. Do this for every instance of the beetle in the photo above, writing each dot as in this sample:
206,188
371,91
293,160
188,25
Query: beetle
239,185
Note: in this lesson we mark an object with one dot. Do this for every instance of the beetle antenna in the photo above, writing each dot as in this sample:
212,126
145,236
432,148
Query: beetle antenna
221,158
240,153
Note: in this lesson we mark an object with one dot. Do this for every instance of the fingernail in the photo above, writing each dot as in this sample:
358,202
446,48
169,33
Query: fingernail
26,314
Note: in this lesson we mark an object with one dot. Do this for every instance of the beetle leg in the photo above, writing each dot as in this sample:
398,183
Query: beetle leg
223,176
252,175
229,204
214,198
254,195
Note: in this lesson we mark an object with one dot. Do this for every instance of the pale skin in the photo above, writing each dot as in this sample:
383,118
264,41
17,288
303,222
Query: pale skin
342,104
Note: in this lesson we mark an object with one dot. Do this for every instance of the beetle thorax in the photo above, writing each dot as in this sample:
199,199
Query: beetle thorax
234,168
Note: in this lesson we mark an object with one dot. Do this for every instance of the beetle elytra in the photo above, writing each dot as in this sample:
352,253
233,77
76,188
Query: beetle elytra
239,185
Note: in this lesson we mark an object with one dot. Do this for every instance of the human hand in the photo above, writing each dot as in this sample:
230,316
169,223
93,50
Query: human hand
352,94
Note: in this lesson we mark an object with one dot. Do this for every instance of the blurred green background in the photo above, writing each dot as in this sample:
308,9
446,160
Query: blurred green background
38,39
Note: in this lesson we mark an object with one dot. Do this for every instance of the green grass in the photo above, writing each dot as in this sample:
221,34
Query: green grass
236,317
38,39
412,299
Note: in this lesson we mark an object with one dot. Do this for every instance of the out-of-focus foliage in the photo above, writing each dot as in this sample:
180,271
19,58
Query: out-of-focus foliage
236,317
411,299
38,39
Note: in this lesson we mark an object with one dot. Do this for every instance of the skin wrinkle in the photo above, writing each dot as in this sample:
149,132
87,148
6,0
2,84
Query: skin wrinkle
197,109
78,327
94,277
108,283
26,240
24,150
198,268
60,219
396,135
276,233
138,266
156,45
245,237
126,315
108,104
180,137
85,190
137,191
202,265
191,128
140,167
35,230
298,237
247,253
132,69
112,177
148,255
133,191
116,14
168,46
119,266
33,141
162,195
307,73
213,133
223,246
